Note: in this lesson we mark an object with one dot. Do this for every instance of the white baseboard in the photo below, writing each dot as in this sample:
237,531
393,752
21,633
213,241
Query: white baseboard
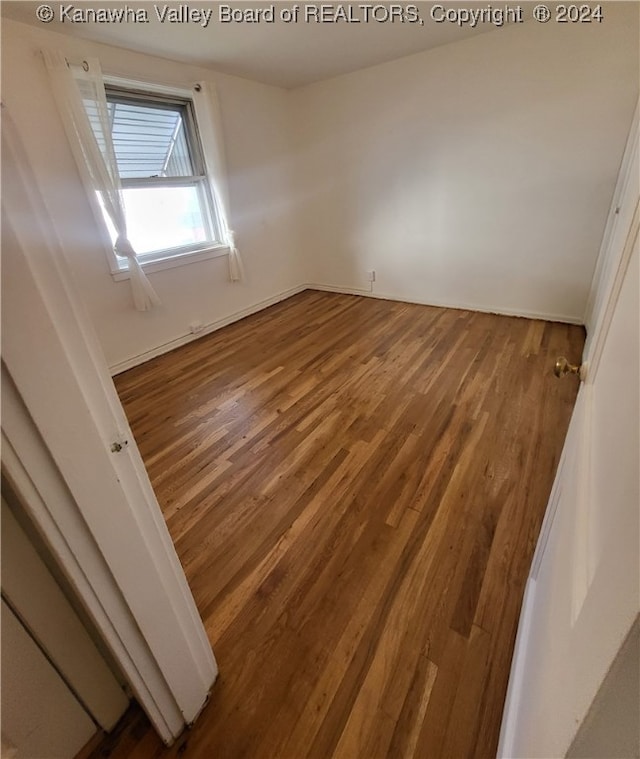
129,363
342,290
547,317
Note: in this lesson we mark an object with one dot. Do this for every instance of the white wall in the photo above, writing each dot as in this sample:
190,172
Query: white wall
479,173
257,139
476,174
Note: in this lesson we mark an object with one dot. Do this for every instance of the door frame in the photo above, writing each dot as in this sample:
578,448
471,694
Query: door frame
611,261
92,504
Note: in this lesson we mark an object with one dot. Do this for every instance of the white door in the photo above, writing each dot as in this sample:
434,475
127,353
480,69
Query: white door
583,592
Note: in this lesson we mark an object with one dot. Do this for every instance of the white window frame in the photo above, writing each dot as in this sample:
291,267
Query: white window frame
172,257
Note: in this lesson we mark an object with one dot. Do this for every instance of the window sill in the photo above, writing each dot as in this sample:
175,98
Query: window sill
170,262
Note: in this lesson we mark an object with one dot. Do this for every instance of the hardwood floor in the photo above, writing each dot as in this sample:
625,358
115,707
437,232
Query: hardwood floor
355,488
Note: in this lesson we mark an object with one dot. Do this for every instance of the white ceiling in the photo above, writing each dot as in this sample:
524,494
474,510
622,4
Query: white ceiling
282,54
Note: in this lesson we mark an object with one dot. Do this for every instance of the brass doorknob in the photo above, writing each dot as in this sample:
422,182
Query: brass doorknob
563,367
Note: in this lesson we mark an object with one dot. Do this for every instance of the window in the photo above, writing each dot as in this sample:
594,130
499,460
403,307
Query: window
165,188
140,156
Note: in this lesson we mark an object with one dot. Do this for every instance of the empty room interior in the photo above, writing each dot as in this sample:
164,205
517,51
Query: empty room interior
320,378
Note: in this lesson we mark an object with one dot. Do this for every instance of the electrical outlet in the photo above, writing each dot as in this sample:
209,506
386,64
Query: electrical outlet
371,276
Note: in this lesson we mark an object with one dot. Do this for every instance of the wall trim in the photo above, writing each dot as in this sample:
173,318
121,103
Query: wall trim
188,337
159,350
549,317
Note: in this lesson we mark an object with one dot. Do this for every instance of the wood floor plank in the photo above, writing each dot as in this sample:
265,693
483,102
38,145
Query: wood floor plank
354,488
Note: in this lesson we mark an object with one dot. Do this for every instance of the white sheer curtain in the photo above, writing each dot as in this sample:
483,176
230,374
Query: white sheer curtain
210,125
82,101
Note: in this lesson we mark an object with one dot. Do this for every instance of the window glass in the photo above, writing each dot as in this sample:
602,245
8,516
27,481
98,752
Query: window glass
149,141
166,194
162,218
